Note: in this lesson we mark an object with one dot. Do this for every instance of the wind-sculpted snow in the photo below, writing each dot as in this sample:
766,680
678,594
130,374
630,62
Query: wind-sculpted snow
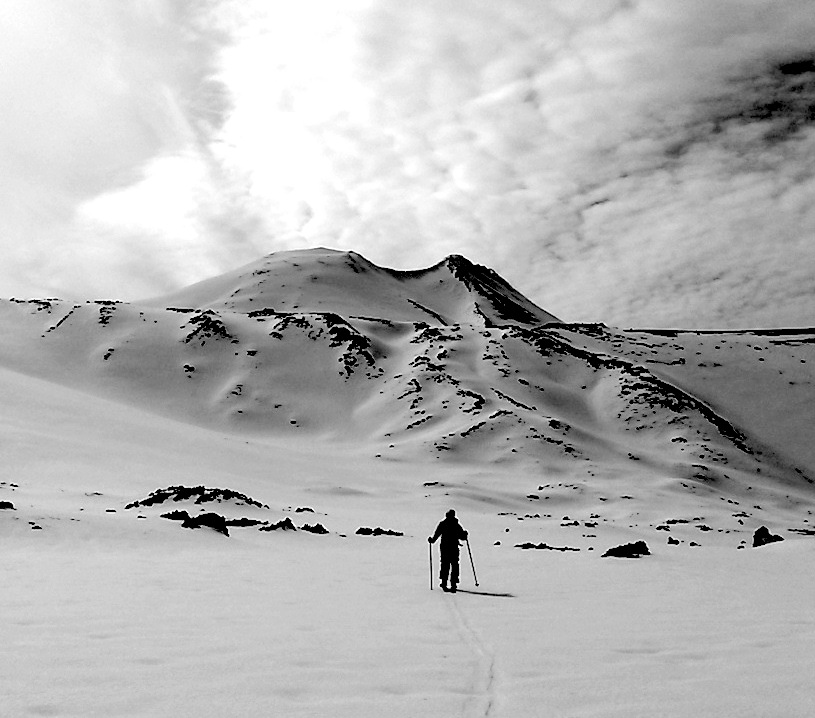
755,386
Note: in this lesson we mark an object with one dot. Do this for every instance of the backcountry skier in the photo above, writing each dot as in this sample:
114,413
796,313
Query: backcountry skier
450,532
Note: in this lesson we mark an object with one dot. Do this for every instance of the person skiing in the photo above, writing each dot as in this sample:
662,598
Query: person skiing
450,532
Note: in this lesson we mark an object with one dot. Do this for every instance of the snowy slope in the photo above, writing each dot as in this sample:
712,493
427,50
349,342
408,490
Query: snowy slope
114,611
545,397
345,283
762,380
378,401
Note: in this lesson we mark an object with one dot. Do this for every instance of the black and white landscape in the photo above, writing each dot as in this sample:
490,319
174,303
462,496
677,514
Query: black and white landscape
216,503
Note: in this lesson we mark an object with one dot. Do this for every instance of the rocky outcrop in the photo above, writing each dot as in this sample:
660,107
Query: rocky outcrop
315,529
628,550
209,520
367,531
762,536
198,494
284,525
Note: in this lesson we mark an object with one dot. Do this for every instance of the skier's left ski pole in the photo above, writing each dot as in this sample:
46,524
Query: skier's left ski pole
471,561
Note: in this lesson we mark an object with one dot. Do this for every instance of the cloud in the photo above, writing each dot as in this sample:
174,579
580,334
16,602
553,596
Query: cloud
594,153
620,161
91,92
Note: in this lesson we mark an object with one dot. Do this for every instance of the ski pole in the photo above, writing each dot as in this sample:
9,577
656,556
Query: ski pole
471,560
430,549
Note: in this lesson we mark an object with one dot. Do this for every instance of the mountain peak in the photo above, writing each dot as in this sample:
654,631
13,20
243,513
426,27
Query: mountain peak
454,291
505,303
458,261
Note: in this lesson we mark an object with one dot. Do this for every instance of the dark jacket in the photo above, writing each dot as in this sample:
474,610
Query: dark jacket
450,531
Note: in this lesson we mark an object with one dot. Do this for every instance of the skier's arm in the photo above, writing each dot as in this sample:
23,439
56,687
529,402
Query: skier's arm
432,539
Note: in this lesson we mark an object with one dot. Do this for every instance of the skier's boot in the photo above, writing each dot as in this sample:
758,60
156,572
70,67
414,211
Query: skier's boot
444,586
452,588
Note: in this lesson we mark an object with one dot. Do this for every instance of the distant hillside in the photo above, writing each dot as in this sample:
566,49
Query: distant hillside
447,364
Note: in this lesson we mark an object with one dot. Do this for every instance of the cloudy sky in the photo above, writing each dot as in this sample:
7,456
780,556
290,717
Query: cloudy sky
637,162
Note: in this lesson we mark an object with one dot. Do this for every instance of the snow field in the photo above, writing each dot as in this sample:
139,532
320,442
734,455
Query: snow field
141,617
560,438
294,624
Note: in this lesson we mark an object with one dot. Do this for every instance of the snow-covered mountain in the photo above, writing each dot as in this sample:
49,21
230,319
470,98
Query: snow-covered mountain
454,291
315,391
448,364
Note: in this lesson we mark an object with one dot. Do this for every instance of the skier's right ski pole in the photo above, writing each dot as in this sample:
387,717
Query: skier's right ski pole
471,561
430,549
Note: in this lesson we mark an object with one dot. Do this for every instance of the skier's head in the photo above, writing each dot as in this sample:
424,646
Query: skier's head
451,514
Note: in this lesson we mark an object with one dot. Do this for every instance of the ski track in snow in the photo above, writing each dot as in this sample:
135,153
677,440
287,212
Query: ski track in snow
485,690
484,694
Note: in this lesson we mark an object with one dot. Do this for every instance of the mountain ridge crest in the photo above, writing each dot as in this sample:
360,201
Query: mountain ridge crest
454,290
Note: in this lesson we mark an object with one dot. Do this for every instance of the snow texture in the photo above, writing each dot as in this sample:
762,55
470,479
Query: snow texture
318,425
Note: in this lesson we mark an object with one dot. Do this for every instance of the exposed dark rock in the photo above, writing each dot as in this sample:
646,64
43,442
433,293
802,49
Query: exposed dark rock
628,550
672,541
106,311
201,494
7,505
210,520
243,522
176,516
315,529
265,312
486,283
545,547
284,525
357,345
803,532
366,531
207,325
762,536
